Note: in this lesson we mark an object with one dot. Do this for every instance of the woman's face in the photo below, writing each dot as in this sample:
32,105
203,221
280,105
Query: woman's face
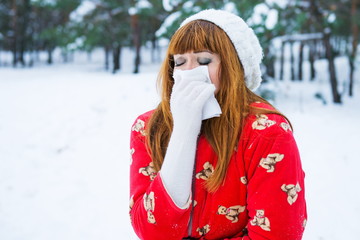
190,60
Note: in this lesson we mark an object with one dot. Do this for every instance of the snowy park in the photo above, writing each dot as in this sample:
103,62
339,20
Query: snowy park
64,150
74,75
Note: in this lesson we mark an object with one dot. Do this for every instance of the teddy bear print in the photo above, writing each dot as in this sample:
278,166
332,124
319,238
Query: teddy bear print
206,172
262,121
304,223
270,161
149,201
285,126
148,171
131,202
150,217
204,230
260,220
139,126
243,180
291,191
231,213
149,205
131,153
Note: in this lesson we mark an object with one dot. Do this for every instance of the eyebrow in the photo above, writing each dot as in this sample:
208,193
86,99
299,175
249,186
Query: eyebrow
203,51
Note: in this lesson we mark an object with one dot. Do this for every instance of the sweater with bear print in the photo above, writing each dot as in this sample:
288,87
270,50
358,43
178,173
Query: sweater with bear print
262,196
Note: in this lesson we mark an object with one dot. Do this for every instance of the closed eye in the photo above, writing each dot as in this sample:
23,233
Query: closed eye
204,61
179,62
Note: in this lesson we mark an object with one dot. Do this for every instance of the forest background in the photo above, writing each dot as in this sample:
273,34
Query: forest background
324,29
74,75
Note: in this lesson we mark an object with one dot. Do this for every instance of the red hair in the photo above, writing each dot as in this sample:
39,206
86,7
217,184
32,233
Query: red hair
233,96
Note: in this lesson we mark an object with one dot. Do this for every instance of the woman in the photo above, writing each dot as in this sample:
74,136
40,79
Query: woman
236,175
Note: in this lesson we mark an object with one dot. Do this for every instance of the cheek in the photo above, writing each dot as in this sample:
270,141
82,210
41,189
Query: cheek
214,76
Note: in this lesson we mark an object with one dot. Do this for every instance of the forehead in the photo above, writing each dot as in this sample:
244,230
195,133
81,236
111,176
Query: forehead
195,36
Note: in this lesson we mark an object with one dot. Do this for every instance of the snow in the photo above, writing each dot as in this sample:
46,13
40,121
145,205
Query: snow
280,3
331,18
140,5
262,10
64,149
143,4
299,37
167,23
45,2
272,19
231,7
132,11
84,8
169,4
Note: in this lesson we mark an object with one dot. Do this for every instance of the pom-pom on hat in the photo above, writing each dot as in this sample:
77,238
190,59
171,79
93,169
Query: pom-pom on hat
242,36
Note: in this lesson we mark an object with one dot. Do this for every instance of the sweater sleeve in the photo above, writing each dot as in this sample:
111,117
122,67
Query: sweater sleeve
153,213
276,200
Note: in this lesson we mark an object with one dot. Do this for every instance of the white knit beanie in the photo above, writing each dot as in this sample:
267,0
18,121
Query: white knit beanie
242,36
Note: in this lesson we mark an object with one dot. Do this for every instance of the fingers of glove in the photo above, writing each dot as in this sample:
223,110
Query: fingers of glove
205,94
184,101
188,90
193,90
180,85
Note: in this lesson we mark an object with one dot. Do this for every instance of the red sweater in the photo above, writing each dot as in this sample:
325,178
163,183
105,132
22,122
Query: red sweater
262,196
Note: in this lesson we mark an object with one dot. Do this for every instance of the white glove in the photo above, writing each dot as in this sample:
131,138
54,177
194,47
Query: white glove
211,108
186,104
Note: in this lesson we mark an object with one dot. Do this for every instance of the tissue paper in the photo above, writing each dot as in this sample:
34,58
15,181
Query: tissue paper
211,108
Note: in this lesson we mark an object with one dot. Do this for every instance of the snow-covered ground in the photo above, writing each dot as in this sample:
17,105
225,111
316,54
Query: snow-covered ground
64,157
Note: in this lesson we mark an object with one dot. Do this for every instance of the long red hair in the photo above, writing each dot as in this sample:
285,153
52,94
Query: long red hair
233,96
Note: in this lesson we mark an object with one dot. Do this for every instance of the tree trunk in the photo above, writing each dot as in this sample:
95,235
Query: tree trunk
136,41
14,52
270,68
301,57
37,55
355,38
292,62
21,55
116,58
32,57
107,53
155,50
282,61
65,55
89,55
120,62
312,60
50,57
332,71
351,77
137,59
14,27
24,18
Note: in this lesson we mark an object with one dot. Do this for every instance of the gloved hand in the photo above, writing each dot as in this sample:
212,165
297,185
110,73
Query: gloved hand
186,104
211,107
